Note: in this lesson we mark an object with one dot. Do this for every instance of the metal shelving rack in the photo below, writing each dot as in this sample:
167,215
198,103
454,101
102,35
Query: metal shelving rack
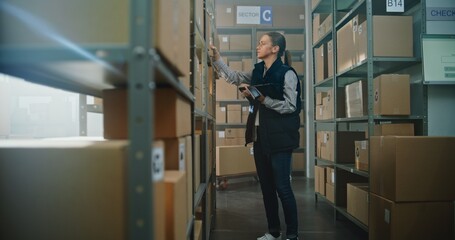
62,66
205,195
368,69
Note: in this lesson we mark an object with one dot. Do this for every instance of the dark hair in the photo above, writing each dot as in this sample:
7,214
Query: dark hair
279,40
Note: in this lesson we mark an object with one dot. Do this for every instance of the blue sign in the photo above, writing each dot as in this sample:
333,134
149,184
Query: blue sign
266,15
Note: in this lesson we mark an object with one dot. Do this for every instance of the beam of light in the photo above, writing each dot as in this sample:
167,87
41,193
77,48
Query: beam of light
39,26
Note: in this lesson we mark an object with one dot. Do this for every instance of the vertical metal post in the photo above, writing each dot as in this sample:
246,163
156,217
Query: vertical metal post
370,70
82,115
140,122
309,93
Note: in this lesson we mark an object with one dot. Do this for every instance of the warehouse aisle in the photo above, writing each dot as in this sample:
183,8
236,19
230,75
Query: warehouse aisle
240,214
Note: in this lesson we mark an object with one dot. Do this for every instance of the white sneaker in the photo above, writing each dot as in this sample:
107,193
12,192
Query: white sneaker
269,236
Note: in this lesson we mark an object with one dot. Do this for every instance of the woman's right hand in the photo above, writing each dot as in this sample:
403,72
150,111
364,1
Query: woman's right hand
215,54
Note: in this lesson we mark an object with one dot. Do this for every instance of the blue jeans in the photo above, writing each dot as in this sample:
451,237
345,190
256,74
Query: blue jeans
274,176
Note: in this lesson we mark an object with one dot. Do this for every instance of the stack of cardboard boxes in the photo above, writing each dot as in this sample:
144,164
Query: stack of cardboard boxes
173,127
412,187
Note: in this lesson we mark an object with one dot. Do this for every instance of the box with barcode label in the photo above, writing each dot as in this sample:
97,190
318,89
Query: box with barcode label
75,185
234,160
410,220
361,155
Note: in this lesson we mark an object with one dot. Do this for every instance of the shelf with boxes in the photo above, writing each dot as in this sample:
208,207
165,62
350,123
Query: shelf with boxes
204,116
141,69
363,88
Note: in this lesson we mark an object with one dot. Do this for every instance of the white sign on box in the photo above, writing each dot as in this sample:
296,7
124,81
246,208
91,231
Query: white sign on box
157,164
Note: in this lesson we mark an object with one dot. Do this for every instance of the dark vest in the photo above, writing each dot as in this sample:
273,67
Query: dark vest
277,132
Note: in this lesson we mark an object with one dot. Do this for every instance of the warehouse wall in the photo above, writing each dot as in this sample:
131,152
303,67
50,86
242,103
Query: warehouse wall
441,110
441,99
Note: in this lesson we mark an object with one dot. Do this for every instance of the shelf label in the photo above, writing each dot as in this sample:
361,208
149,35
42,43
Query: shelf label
387,216
157,164
254,15
395,5
221,134
182,156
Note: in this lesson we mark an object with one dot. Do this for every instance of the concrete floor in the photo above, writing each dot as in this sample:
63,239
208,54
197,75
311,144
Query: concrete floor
240,214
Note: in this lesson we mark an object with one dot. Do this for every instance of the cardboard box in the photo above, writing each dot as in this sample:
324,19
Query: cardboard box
360,39
235,132
298,162
245,113
413,168
320,60
236,141
224,43
356,99
410,220
220,138
234,116
302,118
330,175
357,201
345,48
394,129
113,22
327,110
319,97
289,16
233,160
361,155
236,65
325,26
171,117
392,29
225,91
302,141
295,42
319,179
225,15
392,94
70,189
175,152
234,107
299,67
220,114
247,64
182,41
330,59
330,192
325,145
318,18
318,112
176,205
240,42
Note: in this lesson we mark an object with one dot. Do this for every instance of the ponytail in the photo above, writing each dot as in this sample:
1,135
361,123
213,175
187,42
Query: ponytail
287,58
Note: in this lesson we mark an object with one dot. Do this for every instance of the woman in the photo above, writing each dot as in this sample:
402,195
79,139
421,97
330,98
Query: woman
273,126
